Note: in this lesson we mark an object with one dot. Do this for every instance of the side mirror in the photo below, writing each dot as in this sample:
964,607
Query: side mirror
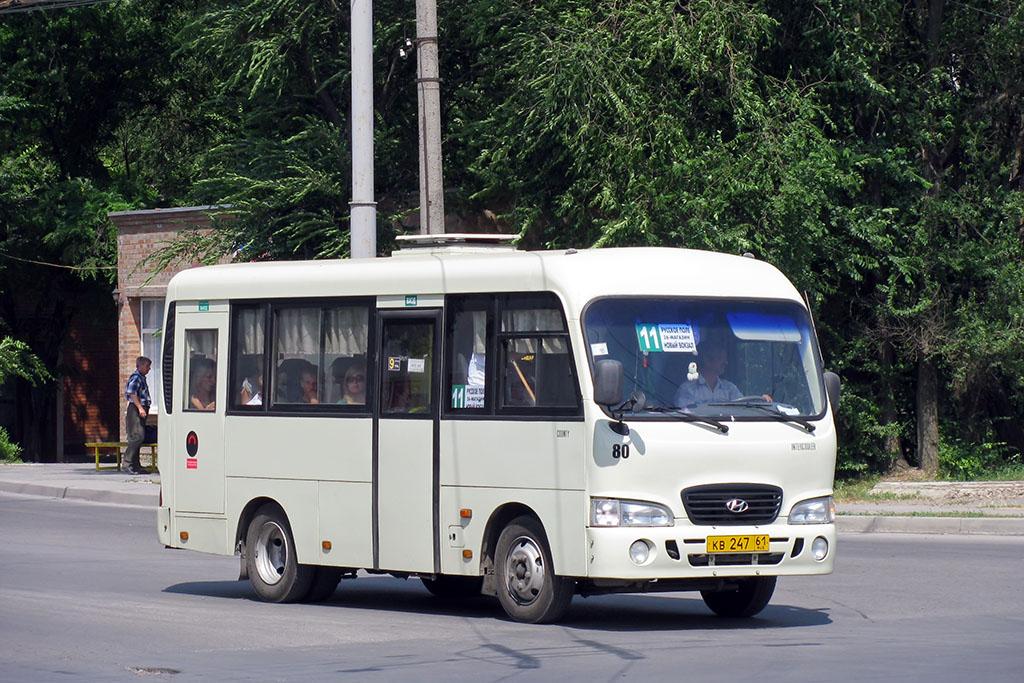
608,382
833,387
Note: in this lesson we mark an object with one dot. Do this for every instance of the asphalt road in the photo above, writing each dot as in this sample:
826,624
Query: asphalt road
87,593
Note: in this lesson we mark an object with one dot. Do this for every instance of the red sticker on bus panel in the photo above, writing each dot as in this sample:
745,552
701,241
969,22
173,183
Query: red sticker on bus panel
192,464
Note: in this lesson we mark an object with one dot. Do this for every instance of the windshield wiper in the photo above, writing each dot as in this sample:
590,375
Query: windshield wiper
676,411
773,412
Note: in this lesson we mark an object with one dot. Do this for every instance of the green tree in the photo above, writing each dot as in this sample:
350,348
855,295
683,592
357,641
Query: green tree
90,109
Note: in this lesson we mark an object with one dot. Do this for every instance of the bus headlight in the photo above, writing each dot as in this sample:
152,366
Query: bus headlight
814,511
614,512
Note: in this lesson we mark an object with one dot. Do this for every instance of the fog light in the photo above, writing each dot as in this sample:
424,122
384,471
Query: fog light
640,552
819,548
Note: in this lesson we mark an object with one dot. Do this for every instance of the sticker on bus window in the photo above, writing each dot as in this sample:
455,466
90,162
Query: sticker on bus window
394,363
417,365
667,337
464,396
599,349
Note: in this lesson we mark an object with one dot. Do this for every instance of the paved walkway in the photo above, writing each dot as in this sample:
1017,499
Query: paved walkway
83,482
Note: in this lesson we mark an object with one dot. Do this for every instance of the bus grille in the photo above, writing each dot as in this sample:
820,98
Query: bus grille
711,504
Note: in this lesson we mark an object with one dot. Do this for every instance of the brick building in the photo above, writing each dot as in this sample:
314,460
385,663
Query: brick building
140,293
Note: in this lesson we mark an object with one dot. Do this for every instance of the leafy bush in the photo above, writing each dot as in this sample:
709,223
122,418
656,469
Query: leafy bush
965,461
9,451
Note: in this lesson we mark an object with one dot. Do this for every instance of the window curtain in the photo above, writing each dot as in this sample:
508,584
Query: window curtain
346,331
250,328
298,332
202,343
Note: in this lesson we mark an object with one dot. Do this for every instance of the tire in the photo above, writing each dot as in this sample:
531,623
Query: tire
450,587
751,597
528,588
325,582
273,566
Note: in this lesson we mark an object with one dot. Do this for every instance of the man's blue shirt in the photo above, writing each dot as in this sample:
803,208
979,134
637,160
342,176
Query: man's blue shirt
137,385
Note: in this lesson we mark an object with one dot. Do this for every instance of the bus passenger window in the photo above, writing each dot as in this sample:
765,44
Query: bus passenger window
537,369
346,339
201,369
468,378
297,354
247,358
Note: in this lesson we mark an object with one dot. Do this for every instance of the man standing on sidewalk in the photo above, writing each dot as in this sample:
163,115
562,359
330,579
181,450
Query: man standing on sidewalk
135,418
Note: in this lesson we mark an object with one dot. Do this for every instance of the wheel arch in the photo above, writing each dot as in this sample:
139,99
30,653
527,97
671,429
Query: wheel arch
498,520
248,512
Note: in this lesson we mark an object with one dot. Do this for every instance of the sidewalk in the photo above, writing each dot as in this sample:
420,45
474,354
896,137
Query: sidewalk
919,515
80,481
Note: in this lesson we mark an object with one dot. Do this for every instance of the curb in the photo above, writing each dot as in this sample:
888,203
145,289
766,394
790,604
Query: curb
995,526
81,494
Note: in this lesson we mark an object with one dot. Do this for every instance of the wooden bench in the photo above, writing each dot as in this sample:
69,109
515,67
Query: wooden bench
116,448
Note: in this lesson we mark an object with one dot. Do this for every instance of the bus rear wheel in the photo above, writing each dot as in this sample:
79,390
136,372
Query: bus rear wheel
528,588
748,599
273,566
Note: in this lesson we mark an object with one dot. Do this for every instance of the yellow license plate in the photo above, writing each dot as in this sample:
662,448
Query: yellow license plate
754,543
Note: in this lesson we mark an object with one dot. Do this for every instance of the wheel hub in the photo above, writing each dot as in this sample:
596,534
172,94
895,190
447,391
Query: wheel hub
271,553
524,568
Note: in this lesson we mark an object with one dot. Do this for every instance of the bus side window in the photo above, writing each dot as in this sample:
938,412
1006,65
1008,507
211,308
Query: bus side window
346,341
297,354
201,369
467,349
246,389
536,363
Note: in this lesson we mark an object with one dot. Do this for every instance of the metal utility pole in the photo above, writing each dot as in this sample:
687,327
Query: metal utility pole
362,208
429,96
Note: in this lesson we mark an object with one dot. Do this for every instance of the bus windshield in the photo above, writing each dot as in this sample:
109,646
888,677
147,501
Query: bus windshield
710,357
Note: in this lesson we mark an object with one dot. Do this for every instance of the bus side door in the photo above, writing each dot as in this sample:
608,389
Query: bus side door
199,413
405,466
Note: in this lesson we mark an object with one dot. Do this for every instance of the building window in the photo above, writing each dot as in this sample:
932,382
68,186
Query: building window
151,333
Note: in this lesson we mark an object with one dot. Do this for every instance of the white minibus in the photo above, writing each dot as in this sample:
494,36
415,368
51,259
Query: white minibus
525,425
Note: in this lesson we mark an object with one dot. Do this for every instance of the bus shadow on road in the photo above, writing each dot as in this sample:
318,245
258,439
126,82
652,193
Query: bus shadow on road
631,612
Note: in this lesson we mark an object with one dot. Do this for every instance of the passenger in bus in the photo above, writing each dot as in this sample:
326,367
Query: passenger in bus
353,386
252,385
308,384
204,388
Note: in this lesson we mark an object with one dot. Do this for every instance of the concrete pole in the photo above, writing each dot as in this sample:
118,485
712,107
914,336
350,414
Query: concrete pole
362,208
429,97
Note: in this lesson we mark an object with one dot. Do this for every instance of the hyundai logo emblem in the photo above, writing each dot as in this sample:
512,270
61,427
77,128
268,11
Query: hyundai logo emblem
737,506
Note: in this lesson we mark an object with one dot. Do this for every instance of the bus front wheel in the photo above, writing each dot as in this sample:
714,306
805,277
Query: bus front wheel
273,566
748,599
528,588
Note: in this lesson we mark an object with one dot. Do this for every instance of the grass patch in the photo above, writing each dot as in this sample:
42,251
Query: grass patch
1008,473
850,490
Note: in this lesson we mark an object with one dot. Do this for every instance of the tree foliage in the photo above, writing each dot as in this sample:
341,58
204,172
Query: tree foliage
872,149
91,120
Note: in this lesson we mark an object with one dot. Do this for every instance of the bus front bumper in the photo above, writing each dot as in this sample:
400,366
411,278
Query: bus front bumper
684,552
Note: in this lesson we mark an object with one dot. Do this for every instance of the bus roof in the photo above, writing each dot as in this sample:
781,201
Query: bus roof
576,275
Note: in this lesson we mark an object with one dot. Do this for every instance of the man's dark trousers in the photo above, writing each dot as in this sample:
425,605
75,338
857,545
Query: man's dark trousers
136,428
